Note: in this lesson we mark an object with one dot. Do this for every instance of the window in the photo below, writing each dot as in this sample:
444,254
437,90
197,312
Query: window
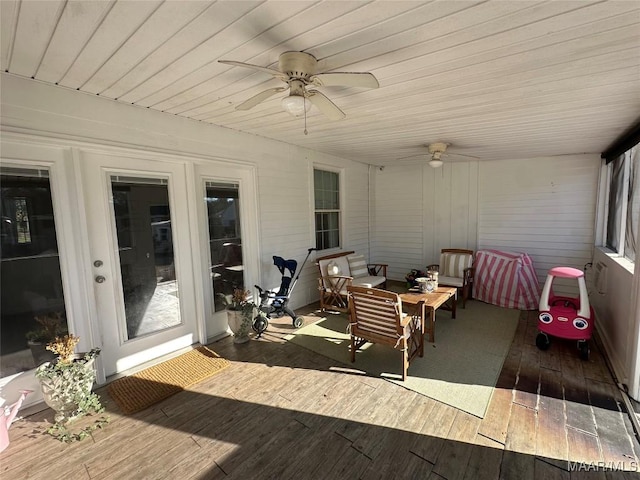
326,188
33,308
623,213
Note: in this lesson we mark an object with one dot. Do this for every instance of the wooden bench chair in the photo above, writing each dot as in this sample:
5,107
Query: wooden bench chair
340,270
376,316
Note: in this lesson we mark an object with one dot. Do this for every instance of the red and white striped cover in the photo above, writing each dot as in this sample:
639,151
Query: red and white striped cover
506,279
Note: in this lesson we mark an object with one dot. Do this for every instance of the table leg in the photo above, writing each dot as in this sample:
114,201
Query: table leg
453,306
429,315
422,330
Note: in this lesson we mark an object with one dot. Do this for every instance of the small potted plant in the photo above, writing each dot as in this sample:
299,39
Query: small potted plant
49,327
411,277
66,384
240,315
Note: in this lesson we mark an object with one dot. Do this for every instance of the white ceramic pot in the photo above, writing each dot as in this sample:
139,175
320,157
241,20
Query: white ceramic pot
57,391
240,324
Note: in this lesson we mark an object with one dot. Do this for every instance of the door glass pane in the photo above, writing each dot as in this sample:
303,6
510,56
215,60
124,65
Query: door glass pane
225,240
33,310
145,247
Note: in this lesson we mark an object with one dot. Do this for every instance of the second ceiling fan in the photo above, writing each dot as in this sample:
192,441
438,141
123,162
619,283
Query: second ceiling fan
437,150
298,71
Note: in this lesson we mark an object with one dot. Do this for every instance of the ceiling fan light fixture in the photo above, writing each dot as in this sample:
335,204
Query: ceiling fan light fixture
435,163
296,105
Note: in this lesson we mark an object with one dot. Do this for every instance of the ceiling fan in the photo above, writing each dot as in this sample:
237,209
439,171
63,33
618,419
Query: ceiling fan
437,150
298,71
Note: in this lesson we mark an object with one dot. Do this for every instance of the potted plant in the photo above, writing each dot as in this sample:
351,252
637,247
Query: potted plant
49,327
66,384
240,315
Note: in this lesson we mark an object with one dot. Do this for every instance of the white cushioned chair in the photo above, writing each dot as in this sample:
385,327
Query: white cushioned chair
340,270
456,270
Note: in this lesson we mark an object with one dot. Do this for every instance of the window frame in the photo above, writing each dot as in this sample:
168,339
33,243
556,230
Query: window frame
607,170
340,210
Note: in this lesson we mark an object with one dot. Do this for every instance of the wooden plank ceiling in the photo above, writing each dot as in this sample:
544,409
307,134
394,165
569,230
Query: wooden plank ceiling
496,79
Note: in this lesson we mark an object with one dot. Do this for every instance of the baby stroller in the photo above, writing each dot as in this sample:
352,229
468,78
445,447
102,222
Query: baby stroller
276,304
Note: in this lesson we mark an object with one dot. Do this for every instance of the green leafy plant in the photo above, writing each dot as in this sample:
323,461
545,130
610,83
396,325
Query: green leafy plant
62,432
240,301
66,385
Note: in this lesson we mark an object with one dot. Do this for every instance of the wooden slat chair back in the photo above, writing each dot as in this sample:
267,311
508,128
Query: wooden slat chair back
376,316
351,269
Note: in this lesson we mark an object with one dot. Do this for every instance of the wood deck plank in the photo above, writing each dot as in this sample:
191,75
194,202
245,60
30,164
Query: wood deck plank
258,456
496,420
548,471
434,433
454,457
577,403
583,446
526,392
485,460
520,445
551,436
314,451
615,439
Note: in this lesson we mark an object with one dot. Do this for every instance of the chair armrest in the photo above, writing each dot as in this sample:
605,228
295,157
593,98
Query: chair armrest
468,274
416,312
334,282
377,269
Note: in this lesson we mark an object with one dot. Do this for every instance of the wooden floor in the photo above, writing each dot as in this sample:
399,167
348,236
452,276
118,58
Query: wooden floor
282,412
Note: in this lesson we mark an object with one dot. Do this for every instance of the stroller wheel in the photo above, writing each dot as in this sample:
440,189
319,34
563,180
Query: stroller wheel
543,341
298,321
583,346
260,324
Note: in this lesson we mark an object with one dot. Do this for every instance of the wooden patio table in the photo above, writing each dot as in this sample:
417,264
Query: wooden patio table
431,302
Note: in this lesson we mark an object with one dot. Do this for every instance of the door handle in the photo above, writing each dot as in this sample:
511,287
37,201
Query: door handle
100,279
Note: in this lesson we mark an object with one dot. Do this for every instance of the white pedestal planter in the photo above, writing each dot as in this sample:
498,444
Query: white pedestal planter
240,324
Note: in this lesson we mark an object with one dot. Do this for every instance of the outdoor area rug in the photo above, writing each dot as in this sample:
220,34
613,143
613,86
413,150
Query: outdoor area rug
141,390
460,369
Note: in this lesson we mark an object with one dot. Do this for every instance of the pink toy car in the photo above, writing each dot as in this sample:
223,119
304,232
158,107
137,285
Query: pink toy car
565,317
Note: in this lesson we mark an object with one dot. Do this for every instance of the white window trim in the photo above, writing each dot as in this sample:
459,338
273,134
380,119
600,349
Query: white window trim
603,212
341,197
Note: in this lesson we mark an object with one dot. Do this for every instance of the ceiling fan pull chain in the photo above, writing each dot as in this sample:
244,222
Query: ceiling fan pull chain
304,99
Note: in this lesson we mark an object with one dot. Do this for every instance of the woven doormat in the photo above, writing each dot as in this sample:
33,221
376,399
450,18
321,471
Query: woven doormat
141,390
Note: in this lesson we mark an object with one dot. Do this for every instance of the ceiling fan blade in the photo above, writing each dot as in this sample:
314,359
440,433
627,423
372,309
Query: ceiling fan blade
279,75
456,154
348,79
256,99
325,105
420,155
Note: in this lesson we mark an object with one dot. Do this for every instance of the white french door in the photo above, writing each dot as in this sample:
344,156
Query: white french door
140,250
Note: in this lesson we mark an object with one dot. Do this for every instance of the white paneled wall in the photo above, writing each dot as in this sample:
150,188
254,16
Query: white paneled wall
419,210
544,207
397,230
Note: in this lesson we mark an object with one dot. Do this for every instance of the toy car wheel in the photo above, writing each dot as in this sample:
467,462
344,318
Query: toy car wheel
543,341
583,346
298,321
260,324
